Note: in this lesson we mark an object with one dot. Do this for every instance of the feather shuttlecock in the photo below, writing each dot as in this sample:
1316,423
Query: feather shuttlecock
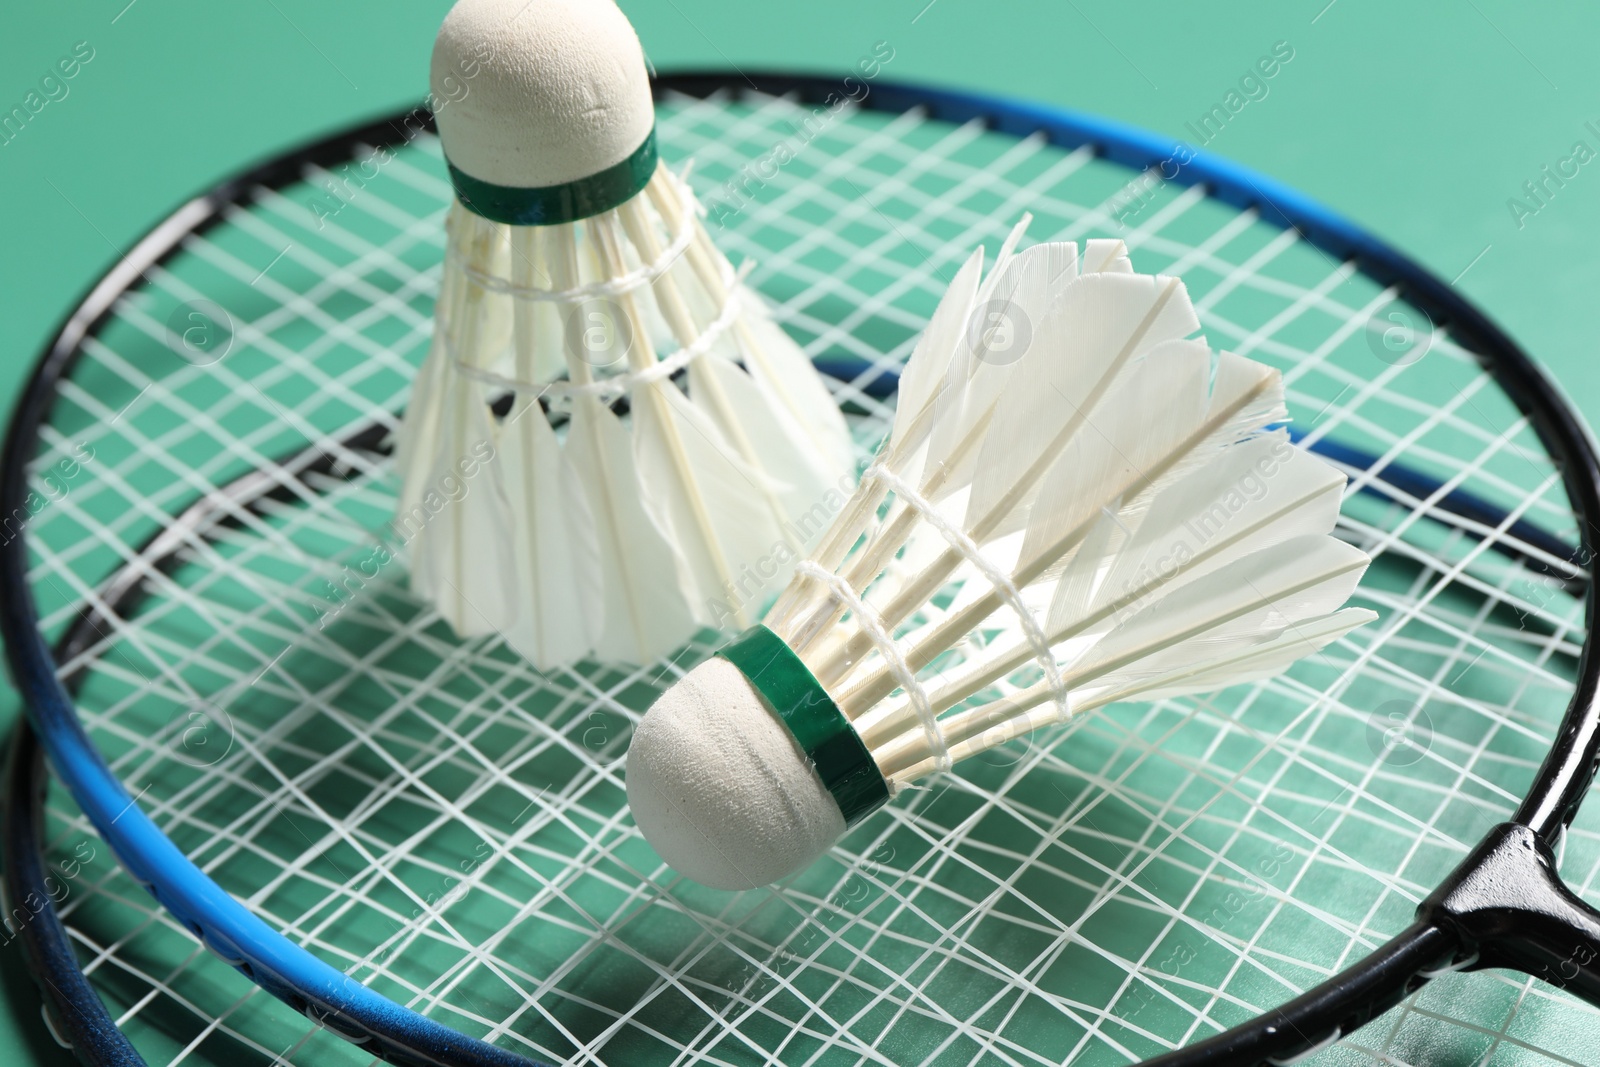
1077,504
608,430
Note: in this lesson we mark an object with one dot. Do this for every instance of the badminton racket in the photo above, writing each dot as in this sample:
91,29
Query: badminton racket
424,844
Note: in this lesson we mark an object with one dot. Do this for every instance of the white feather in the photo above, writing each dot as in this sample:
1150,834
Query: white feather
792,386
1031,709
1239,604
459,559
1097,328
1121,442
1107,255
798,476
417,443
710,504
646,602
539,327
1146,523
1249,663
996,356
555,583
1217,514
930,360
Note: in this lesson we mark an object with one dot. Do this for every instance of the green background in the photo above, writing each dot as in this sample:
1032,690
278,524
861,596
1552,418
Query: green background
1418,120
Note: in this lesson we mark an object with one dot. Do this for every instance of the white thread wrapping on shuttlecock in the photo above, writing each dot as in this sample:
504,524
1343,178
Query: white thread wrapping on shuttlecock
618,384
872,623
610,288
999,579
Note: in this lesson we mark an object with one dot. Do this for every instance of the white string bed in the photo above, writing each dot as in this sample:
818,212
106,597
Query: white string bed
450,827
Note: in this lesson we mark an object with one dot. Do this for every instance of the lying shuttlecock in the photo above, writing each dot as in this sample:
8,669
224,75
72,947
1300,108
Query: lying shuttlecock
1100,509
579,284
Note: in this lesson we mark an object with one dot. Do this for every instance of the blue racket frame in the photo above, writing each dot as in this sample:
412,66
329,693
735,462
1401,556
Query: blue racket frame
1505,905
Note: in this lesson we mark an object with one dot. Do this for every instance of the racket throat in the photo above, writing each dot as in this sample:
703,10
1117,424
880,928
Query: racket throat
1509,908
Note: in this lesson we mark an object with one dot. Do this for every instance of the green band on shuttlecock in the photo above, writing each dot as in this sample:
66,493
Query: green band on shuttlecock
567,202
825,735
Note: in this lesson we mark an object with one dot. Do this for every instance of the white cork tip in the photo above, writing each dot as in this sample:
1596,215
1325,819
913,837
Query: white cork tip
532,94
721,789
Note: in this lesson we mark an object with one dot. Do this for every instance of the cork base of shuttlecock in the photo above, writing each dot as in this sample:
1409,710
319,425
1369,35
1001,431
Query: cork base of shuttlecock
721,789
537,95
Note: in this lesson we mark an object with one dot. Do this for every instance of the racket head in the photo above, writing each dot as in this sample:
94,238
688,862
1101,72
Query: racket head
1105,891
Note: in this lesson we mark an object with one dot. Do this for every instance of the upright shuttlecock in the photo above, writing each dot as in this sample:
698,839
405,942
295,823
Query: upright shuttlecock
560,485
1076,505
